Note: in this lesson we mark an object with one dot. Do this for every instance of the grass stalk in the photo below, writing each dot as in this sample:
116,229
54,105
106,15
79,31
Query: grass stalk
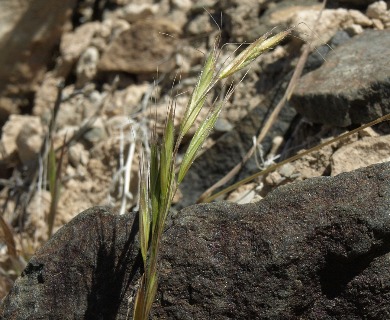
158,180
270,121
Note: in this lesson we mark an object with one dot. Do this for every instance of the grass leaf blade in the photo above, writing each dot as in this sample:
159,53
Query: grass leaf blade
166,157
144,212
199,94
197,141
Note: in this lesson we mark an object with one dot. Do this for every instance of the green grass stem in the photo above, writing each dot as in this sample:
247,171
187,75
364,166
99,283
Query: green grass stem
158,180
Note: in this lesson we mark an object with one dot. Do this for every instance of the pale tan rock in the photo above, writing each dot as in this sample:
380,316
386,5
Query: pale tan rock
177,197
368,132
29,30
361,153
87,66
98,181
29,140
91,34
274,179
85,11
14,126
354,29
331,21
8,106
359,18
74,108
315,163
243,194
256,198
200,25
45,98
193,57
376,10
78,155
184,5
128,100
287,170
386,19
37,213
380,14
284,15
73,44
243,19
180,18
159,113
134,12
117,124
111,28
123,54
378,24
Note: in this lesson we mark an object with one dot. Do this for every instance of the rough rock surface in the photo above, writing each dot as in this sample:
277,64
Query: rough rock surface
322,97
84,272
146,37
38,25
311,250
102,116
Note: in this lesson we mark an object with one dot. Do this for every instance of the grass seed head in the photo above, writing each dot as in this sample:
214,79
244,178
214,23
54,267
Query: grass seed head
255,49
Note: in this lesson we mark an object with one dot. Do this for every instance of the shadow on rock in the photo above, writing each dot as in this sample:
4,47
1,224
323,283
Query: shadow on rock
317,249
86,271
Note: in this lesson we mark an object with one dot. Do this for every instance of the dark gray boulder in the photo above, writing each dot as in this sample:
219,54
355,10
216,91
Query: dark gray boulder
317,249
86,271
352,86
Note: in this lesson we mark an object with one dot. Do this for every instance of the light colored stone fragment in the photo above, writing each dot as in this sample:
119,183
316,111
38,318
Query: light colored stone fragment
376,10
331,21
29,31
354,29
134,12
361,153
360,18
149,37
87,66
20,127
78,155
29,139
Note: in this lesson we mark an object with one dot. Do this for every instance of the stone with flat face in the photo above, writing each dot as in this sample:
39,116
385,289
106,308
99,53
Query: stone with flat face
352,86
147,47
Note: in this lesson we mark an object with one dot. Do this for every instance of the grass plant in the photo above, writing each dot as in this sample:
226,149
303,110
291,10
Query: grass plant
158,178
270,121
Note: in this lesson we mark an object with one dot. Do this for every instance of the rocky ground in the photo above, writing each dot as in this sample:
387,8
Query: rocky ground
91,66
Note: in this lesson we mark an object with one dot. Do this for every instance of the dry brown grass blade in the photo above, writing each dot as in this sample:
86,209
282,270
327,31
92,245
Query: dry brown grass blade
293,158
270,121
8,238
